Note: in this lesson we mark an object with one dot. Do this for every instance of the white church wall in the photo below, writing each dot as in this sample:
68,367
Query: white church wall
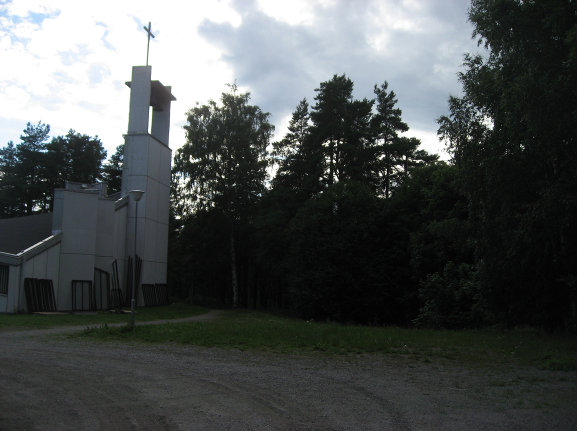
120,227
140,91
150,172
105,235
154,160
39,261
157,213
165,162
9,301
151,205
153,250
79,237
43,265
134,172
147,160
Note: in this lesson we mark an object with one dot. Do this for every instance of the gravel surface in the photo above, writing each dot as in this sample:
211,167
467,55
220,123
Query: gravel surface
50,382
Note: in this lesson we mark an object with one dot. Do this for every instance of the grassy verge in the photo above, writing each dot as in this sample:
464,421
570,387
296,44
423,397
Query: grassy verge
262,331
39,321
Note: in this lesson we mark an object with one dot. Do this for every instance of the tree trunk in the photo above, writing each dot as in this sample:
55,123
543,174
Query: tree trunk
233,270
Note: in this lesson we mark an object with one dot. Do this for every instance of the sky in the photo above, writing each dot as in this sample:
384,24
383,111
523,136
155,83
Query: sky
65,62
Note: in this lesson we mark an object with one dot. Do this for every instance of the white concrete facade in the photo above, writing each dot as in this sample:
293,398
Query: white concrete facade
40,261
91,230
147,159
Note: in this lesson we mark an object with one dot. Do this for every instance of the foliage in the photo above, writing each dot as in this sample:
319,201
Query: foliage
23,185
222,166
112,170
340,266
199,263
30,170
512,137
360,225
321,241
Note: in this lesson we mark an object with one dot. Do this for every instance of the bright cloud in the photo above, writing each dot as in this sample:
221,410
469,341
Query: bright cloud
65,61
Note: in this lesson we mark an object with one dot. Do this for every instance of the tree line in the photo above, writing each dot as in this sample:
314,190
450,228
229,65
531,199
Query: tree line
329,235
357,224
31,169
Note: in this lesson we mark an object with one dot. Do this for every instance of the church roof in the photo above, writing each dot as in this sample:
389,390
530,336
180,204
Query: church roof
19,233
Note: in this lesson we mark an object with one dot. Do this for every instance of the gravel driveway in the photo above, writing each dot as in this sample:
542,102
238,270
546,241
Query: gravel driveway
57,383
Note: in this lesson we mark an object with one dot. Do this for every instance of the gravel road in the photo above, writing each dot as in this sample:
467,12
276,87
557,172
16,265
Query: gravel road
49,382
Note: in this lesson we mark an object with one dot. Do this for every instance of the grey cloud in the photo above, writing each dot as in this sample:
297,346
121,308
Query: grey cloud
281,63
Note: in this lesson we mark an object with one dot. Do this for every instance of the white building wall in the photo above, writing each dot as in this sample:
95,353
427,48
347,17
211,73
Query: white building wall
147,167
105,235
9,301
151,173
79,239
120,226
45,266
12,305
39,261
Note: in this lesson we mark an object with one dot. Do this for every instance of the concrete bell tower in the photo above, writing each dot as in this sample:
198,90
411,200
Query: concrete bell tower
147,159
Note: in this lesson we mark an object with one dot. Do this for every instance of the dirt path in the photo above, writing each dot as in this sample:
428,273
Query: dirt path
56,383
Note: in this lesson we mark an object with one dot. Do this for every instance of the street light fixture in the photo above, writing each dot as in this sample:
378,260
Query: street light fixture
135,195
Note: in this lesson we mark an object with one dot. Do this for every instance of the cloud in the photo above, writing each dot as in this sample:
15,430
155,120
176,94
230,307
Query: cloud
416,46
67,60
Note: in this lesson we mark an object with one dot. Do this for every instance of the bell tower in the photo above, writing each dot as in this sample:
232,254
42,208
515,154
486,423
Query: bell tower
146,167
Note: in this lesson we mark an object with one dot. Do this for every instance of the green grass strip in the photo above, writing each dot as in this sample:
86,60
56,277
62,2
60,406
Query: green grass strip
266,332
40,321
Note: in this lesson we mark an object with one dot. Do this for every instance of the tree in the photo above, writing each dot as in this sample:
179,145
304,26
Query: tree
74,157
298,132
112,170
340,128
513,138
222,165
387,124
31,170
8,181
31,186
299,158
434,208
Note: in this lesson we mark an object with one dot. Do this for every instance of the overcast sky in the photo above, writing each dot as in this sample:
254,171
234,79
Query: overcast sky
65,62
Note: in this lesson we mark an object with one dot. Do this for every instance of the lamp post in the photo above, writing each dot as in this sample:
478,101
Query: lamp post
135,195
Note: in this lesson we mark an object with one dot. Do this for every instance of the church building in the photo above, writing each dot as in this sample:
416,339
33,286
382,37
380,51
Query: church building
93,248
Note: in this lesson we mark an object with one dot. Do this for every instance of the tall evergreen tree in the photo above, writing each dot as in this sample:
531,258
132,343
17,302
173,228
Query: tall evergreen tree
299,157
298,132
387,124
340,128
329,118
9,204
32,187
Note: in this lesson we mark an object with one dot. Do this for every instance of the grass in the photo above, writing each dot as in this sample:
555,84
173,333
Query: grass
262,331
40,321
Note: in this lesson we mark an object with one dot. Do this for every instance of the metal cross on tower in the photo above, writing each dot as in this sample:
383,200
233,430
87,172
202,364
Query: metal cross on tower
149,31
